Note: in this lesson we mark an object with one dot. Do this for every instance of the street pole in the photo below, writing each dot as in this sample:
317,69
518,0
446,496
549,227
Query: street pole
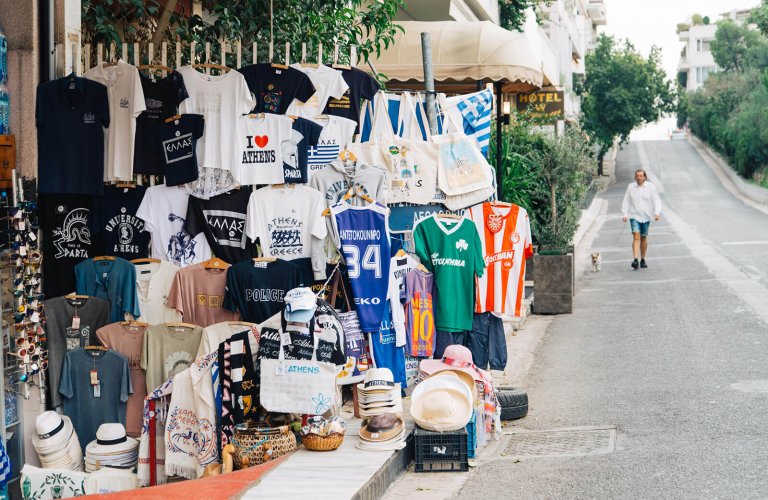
429,82
499,173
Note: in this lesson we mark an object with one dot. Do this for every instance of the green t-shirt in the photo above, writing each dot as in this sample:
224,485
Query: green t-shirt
451,250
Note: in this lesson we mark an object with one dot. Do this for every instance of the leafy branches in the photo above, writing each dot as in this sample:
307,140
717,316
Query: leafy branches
512,12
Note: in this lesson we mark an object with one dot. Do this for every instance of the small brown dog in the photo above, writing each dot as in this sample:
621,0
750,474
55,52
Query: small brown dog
596,261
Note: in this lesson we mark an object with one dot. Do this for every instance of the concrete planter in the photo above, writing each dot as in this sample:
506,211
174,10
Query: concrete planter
553,285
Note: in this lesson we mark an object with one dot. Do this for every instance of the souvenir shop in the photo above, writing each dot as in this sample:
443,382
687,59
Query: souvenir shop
224,314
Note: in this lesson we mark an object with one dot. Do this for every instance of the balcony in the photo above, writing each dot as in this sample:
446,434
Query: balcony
596,12
684,36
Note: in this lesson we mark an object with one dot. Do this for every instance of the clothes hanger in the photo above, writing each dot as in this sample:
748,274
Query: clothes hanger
421,268
351,193
336,64
96,348
180,324
256,115
126,184
172,118
280,186
145,260
154,67
347,155
215,263
73,295
104,257
220,67
241,323
401,253
449,216
265,259
134,323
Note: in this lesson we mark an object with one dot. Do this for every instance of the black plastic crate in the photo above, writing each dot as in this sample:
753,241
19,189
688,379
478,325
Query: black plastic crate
440,451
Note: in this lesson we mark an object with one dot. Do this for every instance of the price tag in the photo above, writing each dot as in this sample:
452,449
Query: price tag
75,322
22,226
94,377
285,338
23,250
97,391
35,318
32,236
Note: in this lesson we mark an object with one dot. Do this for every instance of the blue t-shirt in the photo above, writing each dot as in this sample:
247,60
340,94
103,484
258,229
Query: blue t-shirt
71,115
112,280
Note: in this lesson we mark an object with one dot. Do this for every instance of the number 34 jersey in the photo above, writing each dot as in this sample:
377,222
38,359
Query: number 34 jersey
362,234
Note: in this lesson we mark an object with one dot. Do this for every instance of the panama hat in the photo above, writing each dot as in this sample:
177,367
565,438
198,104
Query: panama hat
457,358
53,431
442,403
111,447
382,428
378,380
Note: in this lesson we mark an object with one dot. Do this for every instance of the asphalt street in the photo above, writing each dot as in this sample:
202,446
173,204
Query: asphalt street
674,356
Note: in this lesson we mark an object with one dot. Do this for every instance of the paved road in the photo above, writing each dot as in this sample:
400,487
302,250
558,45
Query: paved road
675,356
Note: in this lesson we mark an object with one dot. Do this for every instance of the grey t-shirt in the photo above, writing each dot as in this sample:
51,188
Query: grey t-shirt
86,409
167,351
93,313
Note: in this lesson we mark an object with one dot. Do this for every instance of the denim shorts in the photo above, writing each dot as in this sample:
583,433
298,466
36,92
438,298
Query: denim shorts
639,227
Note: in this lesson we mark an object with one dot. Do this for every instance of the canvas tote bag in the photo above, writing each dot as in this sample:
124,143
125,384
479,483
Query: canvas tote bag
462,168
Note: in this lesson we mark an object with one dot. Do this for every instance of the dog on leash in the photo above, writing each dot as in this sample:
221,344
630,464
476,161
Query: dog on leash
596,262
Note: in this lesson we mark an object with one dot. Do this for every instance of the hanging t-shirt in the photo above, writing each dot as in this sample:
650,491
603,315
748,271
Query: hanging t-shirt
175,143
164,211
110,279
128,339
385,352
337,132
222,220
258,151
304,134
256,289
89,406
213,335
505,236
153,286
115,229
451,250
126,102
399,266
419,313
64,219
198,294
285,230
162,98
274,89
221,100
93,313
361,85
327,82
168,350
334,182
71,115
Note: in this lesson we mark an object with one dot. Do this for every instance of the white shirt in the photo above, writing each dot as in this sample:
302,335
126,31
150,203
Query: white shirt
285,219
398,268
221,99
215,334
641,203
164,211
126,102
259,153
328,83
336,133
153,286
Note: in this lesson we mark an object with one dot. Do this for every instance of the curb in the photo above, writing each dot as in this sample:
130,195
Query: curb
387,474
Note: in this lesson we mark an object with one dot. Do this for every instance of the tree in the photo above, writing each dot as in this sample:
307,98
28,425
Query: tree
621,91
732,45
512,12
759,16
697,19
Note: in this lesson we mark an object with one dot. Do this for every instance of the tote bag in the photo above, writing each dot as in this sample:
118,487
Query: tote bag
297,386
356,346
461,168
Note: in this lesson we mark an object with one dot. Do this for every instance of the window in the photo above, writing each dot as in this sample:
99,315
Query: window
702,45
703,73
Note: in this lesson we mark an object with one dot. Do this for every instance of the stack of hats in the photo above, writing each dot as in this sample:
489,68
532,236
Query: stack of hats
382,432
111,448
379,394
443,402
56,442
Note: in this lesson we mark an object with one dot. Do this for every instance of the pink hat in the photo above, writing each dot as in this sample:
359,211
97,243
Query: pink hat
457,358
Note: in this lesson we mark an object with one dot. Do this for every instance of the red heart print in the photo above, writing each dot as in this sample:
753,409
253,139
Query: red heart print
261,140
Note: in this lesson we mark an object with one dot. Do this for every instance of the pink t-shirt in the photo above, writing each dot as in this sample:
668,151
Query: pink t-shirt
198,294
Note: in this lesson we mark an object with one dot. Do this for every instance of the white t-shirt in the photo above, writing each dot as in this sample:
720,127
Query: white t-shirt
126,102
164,210
258,154
221,99
153,285
328,83
337,132
284,219
399,266
215,334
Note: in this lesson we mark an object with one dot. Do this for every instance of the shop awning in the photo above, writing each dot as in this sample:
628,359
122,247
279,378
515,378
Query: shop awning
463,52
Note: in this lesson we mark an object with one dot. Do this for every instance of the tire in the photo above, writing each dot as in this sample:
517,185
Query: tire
513,401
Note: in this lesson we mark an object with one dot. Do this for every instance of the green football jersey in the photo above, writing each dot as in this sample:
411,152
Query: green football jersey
451,250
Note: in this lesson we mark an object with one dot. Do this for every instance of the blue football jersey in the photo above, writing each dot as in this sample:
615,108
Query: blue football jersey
363,234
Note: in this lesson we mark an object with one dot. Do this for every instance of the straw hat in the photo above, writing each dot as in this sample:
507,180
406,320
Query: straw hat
442,403
53,431
382,428
453,358
378,380
111,447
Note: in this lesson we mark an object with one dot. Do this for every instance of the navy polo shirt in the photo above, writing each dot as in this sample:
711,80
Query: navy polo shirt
71,115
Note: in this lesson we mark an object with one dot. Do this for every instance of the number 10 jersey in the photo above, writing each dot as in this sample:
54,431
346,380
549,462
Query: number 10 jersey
362,234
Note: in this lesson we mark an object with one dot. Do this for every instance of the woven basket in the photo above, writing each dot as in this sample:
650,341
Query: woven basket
313,442
256,445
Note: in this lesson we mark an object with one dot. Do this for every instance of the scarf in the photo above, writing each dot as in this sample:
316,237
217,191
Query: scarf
489,395
161,396
190,438
5,467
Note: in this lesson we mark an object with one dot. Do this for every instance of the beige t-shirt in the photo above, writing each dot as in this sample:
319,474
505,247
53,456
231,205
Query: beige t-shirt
153,286
167,351
216,334
128,340
198,294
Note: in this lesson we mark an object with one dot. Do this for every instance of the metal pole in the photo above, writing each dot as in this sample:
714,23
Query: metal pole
499,173
429,82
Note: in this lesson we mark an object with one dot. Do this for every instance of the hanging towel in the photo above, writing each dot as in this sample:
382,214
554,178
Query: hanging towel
161,396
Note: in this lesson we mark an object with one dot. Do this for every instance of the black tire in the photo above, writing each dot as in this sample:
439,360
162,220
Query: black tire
513,401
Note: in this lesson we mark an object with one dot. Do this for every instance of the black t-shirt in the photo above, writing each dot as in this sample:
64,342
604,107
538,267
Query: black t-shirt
71,115
256,289
274,89
304,134
175,142
361,86
222,220
115,229
162,98
64,220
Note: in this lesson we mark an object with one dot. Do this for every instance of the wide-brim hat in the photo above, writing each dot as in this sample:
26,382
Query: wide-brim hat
70,456
442,404
52,431
378,380
456,358
111,439
461,375
382,428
